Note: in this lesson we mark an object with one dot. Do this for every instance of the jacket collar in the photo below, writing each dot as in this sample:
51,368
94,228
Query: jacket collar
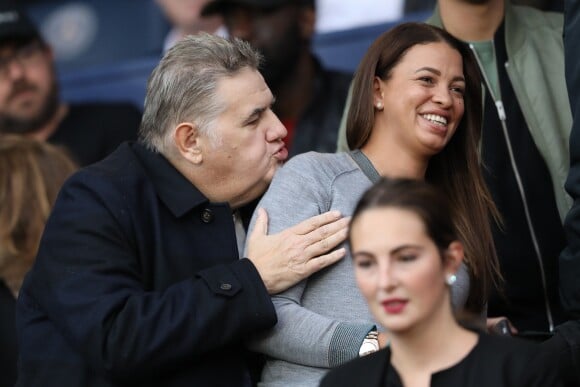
174,190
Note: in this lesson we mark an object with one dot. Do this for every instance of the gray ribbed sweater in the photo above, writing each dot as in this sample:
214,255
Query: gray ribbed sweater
321,321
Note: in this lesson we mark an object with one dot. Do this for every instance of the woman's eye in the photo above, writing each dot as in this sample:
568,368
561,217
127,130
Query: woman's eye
407,257
458,90
363,263
428,80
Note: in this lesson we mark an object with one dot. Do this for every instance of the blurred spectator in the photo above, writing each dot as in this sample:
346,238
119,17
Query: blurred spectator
31,174
185,19
30,103
337,15
8,344
570,257
309,98
526,126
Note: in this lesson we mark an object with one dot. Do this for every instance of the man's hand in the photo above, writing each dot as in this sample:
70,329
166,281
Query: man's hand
288,257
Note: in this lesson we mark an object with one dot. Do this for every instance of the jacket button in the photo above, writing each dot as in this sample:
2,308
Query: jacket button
225,286
206,215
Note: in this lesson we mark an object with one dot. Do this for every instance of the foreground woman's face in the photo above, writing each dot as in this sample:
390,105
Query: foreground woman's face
398,268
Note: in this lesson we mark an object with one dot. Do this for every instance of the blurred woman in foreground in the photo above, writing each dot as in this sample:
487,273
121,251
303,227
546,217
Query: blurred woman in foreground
406,253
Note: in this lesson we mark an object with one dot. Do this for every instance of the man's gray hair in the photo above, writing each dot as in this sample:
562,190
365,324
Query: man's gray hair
182,88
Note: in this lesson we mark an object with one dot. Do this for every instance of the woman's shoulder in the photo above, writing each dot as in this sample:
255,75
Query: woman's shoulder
316,163
524,362
340,158
507,344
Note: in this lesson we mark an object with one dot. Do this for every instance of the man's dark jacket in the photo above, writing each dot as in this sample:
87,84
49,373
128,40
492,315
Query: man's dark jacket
138,283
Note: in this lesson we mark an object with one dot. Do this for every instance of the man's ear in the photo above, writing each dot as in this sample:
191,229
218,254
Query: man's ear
188,142
307,22
453,257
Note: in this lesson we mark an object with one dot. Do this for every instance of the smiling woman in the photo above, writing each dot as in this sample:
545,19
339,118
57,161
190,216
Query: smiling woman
406,253
415,113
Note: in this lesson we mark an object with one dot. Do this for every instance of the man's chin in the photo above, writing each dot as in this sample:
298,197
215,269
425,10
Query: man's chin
16,126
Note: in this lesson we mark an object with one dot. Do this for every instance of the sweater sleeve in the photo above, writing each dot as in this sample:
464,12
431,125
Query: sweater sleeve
301,190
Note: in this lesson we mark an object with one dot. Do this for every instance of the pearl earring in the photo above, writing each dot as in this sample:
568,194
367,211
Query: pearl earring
450,280
379,105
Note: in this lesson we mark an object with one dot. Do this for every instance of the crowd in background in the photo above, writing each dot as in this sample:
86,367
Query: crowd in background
206,230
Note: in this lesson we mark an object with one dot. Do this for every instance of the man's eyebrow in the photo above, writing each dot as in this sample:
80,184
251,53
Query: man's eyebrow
437,72
257,112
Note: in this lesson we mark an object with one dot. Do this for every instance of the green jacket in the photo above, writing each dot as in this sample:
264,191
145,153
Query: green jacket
536,69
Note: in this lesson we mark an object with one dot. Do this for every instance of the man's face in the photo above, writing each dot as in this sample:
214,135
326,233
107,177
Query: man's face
276,33
249,146
28,91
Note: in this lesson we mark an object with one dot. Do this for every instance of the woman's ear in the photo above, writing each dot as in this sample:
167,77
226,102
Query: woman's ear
189,142
453,257
378,94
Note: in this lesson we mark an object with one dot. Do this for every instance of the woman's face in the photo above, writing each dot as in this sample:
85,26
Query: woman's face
423,98
398,268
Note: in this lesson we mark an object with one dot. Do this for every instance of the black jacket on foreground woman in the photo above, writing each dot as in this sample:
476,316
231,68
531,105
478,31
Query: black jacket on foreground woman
494,361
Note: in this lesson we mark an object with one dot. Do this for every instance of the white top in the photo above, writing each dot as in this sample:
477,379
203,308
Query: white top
336,15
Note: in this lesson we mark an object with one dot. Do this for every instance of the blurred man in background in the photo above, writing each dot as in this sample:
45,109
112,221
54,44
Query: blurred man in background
30,103
185,18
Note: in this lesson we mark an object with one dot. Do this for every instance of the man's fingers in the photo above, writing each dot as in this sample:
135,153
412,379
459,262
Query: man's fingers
261,224
321,246
324,238
318,263
312,224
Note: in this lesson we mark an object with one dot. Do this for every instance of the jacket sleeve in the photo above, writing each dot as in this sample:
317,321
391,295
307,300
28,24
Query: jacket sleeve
88,280
570,257
302,336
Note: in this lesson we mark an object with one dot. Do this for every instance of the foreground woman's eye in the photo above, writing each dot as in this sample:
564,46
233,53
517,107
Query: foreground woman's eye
407,257
364,263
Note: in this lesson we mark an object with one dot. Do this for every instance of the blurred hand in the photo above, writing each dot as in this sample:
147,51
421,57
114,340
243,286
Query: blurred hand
384,340
288,257
500,326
